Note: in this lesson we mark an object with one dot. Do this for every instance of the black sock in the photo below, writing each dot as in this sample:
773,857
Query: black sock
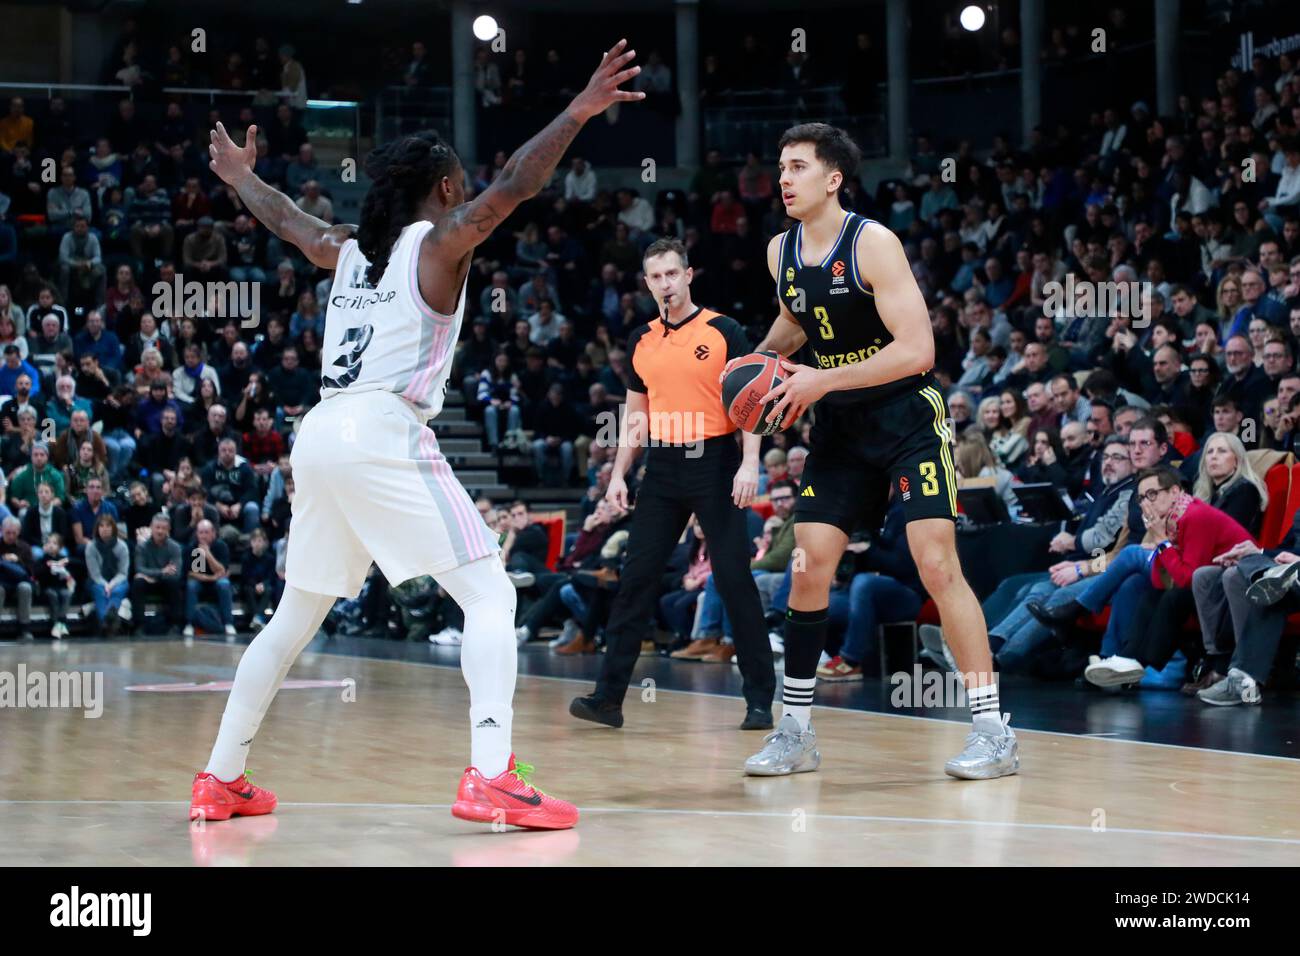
805,637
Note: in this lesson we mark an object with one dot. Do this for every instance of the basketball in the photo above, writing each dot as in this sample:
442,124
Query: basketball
745,385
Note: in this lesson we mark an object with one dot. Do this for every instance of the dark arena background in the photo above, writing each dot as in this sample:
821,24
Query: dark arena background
1100,205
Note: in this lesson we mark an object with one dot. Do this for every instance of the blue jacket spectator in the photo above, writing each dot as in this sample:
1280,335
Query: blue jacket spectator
14,366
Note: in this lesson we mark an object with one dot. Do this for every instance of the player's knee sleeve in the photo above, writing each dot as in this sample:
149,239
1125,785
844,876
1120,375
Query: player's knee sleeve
488,653
484,592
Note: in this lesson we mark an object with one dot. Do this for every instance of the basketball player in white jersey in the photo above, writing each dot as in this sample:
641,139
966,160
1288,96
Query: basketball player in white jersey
371,483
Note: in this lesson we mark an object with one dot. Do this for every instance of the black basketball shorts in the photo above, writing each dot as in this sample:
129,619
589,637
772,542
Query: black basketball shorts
860,450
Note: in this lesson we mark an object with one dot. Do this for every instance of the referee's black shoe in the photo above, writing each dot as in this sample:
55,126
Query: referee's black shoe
597,710
757,718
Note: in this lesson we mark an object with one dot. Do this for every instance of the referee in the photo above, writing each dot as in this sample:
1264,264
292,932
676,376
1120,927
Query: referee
694,465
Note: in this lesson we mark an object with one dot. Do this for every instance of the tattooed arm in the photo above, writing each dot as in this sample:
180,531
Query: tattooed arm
532,164
318,240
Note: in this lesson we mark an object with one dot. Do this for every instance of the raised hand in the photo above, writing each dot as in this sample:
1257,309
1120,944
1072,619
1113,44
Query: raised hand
232,163
602,89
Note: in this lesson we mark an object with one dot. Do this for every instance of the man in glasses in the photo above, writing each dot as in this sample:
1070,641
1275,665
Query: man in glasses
1246,383
1277,358
1148,446
1017,635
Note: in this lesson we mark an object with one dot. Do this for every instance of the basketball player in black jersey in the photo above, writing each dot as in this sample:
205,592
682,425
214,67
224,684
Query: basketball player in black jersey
846,289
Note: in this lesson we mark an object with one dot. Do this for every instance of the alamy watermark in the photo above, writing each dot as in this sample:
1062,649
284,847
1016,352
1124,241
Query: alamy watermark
921,688
81,690
209,300
128,910
1083,299
675,429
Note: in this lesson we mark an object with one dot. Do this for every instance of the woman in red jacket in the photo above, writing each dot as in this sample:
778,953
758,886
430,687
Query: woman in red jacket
1146,584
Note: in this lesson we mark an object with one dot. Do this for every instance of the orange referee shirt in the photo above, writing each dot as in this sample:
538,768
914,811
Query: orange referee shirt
678,367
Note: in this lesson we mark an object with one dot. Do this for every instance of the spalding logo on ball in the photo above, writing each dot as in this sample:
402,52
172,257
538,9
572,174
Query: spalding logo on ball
743,388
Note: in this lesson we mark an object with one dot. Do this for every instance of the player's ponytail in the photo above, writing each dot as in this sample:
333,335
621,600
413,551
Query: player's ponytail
402,174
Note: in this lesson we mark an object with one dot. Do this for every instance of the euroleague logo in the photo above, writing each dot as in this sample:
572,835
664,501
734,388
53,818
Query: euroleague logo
904,488
701,352
837,268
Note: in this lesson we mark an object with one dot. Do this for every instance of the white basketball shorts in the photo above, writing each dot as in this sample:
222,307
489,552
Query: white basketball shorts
371,485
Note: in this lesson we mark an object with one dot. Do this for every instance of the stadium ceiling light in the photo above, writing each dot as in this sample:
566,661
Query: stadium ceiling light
972,18
485,27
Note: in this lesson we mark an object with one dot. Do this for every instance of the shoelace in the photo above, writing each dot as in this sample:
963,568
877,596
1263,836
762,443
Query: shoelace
778,735
990,743
522,772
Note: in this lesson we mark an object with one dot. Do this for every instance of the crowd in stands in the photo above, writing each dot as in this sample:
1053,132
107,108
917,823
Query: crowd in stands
145,444
1157,411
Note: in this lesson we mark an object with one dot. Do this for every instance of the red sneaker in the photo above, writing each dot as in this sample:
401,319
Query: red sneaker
510,799
212,799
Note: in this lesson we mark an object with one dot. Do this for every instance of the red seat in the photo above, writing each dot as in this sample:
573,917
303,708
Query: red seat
762,507
553,523
1283,501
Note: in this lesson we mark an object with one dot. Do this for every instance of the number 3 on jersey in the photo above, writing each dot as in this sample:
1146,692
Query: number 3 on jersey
823,322
350,361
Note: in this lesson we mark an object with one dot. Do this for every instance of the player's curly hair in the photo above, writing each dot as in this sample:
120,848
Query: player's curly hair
402,174
831,145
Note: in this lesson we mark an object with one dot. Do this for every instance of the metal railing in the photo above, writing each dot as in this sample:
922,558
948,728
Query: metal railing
406,109
744,121
332,118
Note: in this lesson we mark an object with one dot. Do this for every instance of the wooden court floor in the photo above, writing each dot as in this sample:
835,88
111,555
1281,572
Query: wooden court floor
368,781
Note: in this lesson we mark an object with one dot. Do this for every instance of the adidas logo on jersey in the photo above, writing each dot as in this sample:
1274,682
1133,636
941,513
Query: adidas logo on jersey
807,493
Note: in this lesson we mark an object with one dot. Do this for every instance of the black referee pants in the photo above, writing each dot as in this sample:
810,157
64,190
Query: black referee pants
676,486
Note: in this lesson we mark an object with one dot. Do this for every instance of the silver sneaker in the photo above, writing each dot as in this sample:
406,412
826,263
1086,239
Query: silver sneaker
786,750
986,755
1237,688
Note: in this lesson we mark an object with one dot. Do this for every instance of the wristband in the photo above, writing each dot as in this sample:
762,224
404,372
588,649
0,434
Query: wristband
1078,570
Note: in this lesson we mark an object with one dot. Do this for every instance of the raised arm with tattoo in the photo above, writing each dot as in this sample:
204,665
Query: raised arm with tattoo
533,163
318,240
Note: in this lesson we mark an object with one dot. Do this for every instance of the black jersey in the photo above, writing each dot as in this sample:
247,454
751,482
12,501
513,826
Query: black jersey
836,312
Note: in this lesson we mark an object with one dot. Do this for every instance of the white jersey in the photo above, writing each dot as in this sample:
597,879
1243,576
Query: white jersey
387,338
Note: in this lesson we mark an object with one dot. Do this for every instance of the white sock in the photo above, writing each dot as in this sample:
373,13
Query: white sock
489,657
260,673
797,698
985,715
